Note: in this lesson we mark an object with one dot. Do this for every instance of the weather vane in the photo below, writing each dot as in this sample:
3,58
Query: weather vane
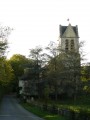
68,20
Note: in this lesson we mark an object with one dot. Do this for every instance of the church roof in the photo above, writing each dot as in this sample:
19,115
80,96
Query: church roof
62,29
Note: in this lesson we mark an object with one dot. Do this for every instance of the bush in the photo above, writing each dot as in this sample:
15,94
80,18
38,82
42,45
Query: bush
83,115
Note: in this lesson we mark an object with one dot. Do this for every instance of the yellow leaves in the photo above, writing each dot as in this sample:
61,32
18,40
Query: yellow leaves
6,71
87,88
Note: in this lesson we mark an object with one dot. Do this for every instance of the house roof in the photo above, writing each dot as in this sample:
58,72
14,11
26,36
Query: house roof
22,77
62,29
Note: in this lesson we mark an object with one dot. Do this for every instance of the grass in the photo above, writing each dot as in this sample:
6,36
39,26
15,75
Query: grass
42,114
82,104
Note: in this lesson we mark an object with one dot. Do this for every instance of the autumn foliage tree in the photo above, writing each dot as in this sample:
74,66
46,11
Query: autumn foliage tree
5,68
18,63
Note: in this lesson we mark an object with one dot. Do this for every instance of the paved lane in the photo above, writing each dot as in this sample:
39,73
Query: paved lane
11,110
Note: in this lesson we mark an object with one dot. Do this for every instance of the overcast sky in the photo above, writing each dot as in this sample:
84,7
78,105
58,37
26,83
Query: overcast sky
36,22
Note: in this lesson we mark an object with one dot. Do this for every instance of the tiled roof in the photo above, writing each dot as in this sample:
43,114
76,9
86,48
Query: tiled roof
63,28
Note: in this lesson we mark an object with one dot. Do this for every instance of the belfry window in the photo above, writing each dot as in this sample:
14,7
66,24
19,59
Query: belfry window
72,44
66,45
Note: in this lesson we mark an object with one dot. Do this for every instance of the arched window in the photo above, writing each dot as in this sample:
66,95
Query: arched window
66,45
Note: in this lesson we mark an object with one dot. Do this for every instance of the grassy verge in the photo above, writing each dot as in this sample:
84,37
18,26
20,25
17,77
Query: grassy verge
42,114
81,103
80,108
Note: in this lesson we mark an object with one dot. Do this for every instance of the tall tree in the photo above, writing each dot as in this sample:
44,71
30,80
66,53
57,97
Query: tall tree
18,63
4,65
4,33
52,73
86,77
72,73
64,71
37,56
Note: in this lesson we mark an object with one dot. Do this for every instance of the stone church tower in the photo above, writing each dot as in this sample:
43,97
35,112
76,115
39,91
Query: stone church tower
69,38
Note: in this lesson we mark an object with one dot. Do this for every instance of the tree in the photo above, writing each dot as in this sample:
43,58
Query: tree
64,72
4,33
37,56
72,73
18,63
52,73
86,77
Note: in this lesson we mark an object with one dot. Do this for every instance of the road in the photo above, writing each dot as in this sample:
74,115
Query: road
11,110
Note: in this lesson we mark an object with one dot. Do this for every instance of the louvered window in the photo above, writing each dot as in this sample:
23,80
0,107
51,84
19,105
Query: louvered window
66,45
72,44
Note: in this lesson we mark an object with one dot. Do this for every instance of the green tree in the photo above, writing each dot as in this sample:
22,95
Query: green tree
64,70
52,68
4,33
86,78
72,73
37,56
18,63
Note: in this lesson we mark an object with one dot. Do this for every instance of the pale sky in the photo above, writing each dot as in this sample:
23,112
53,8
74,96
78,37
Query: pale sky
36,22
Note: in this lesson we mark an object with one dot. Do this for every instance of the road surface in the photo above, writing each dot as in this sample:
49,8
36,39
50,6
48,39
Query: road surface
11,110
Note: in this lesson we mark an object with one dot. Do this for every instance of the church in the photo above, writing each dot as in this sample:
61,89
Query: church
69,42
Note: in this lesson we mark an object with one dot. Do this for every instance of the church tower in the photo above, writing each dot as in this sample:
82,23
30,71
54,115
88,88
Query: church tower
69,38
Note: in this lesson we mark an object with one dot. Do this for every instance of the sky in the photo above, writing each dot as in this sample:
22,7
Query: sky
36,22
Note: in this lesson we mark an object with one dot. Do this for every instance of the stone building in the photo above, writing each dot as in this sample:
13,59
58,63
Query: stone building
69,38
69,44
